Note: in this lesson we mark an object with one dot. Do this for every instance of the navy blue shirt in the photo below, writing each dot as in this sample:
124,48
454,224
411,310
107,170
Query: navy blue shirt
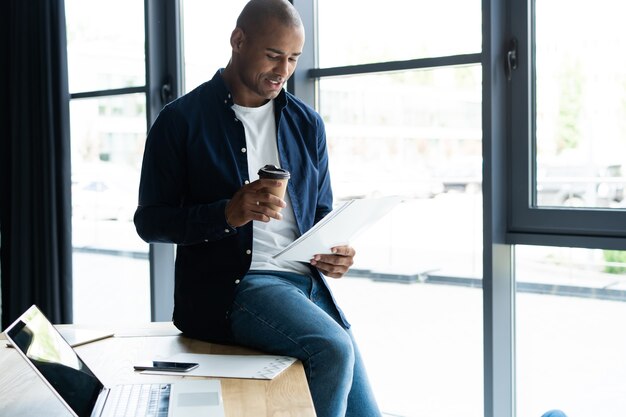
194,161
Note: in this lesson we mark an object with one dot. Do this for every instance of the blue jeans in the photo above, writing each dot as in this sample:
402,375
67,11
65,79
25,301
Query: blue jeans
289,314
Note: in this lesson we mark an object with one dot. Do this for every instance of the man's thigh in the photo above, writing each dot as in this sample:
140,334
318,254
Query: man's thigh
276,314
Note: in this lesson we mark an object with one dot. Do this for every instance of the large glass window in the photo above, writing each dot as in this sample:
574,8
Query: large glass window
567,129
106,47
567,120
413,294
570,347
416,134
369,31
108,130
580,104
206,32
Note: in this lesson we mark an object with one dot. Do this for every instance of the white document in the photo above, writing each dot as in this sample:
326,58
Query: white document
78,337
339,227
230,366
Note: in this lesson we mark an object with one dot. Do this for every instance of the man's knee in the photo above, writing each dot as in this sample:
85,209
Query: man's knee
339,350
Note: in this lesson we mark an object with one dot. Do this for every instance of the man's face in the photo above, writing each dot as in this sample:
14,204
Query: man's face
266,61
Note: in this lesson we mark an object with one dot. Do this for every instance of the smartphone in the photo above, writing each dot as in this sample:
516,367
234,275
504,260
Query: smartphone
167,366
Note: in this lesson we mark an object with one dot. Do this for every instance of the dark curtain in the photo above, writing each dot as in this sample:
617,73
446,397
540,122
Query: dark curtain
35,205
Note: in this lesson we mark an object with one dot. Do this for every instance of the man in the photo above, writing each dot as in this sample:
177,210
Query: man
199,189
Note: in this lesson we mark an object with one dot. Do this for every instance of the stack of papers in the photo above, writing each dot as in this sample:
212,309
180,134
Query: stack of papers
339,227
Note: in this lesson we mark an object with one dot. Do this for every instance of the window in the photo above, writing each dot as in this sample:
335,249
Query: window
425,147
567,135
100,55
402,105
401,30
580,105
568,128
207,32
106,63
570,308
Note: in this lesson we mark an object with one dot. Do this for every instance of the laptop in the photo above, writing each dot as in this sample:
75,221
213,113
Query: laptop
84,395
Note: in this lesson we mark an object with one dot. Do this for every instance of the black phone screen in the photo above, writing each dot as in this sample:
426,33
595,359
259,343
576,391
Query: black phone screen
167,366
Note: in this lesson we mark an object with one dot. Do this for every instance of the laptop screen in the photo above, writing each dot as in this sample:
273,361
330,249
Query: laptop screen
55,360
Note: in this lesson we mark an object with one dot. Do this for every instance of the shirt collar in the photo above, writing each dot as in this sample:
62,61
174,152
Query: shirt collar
227,98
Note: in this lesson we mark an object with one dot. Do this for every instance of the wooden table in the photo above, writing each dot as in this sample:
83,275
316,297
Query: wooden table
23,394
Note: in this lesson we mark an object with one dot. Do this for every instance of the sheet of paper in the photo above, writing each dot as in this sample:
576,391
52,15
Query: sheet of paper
231,366
78,337
339,227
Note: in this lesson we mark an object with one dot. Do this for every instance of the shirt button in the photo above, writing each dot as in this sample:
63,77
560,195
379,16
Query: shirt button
227,230
248,252
206,240
246,182
236,119
225,101
237,281
243,150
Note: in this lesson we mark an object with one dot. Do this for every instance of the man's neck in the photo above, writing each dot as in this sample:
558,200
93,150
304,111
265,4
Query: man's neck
235,86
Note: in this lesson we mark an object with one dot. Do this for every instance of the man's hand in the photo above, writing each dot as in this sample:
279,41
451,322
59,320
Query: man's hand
249,203
337,264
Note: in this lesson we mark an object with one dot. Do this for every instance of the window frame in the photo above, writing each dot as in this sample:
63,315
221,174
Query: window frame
528,224
164,82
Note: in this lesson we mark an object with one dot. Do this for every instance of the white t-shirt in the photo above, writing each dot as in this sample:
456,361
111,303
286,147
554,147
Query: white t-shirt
261,148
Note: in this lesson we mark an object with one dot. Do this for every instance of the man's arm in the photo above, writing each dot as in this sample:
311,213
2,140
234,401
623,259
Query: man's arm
162,214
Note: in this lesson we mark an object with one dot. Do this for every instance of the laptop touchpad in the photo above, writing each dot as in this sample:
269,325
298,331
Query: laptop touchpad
195,399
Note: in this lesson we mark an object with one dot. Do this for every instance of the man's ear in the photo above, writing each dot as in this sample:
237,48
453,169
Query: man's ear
236,39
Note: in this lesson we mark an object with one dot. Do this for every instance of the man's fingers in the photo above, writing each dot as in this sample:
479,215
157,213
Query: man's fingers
343,250
263,213
331,270
341,260
332,263
263,183
253,203
264,198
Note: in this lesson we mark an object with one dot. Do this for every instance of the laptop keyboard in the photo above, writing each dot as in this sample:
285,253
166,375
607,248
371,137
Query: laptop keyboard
139,400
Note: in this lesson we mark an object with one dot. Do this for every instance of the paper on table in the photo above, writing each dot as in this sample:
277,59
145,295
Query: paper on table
231,366
78,337
339,227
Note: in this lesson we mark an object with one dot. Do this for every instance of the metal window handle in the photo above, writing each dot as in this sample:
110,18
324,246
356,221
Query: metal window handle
166,90
511,59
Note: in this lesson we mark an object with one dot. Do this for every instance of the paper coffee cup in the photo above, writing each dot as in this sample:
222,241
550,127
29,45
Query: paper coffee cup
275,173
